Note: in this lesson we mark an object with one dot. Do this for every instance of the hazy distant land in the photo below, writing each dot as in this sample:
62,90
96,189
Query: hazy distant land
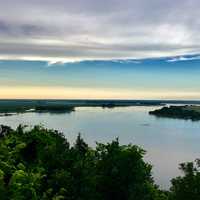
10,107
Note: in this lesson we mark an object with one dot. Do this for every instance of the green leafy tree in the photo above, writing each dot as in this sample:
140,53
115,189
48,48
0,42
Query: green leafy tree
122,173
187,186
2,186
39,164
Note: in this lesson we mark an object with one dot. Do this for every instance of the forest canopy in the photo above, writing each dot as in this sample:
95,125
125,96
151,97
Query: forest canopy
40,164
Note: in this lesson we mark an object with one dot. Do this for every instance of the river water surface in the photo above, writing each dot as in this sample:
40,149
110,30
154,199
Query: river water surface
168,141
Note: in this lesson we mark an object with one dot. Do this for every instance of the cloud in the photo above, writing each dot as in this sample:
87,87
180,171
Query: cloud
182,58
67,31
127,61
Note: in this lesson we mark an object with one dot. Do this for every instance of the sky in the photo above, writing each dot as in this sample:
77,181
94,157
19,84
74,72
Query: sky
91,49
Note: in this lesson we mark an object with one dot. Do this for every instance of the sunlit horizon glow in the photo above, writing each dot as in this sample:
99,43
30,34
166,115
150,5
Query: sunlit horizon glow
27,92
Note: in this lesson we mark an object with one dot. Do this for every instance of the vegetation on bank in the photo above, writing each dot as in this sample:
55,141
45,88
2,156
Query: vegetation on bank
40,164
10,107
54,108
179,112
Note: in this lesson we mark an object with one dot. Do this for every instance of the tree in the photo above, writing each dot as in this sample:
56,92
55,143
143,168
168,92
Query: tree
39,164
2,186
122,173
187,186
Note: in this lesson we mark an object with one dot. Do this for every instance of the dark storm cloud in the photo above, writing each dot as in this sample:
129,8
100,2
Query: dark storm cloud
92,29
20,30
4,28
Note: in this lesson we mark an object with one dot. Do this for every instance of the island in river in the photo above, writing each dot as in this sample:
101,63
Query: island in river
191,112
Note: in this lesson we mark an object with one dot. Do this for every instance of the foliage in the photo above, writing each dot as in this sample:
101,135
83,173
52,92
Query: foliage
40,164
188,186
179,112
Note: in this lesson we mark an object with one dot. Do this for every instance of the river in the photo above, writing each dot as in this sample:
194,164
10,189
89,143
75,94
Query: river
168,142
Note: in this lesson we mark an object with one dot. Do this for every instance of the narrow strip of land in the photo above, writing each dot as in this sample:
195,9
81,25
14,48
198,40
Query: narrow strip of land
8,107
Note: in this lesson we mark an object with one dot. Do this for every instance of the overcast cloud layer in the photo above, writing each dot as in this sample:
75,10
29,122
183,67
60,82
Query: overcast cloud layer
74,30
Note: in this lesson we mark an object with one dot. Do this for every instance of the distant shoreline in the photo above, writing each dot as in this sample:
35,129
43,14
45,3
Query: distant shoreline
61,106
11,107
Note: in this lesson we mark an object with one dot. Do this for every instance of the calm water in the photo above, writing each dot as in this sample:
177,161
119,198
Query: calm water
168,141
